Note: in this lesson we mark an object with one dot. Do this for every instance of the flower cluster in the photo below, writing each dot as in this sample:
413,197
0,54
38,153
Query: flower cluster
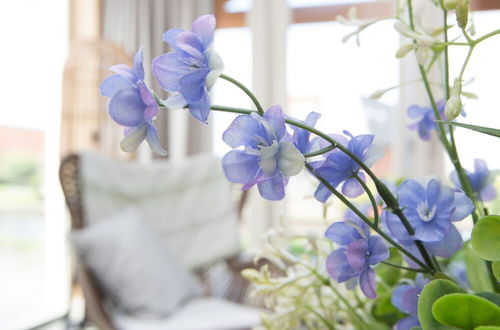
415,220
359,251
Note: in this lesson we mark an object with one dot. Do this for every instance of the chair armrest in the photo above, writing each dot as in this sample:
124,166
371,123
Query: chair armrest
94,309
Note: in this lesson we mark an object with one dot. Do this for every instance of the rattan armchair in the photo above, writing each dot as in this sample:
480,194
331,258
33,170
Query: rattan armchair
221,279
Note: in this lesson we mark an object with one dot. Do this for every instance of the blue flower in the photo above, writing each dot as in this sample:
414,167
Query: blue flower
191,69
132,105
301,136
426,122
338,167
405,298
268,157
352,262
426,119
445,247
431,210
481,180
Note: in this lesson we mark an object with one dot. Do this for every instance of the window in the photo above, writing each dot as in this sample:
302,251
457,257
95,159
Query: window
32,233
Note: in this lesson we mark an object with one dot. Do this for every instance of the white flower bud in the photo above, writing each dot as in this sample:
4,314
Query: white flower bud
405,49
462,11
454,104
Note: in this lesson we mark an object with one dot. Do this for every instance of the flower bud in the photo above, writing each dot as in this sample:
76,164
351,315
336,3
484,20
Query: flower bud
454,104
462,11
405,49
449,4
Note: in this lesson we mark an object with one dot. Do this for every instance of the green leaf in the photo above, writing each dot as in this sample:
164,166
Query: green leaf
477,273
441,276
491,296
496,269
481,129
384,311
487,327
465,311
486,238
434,290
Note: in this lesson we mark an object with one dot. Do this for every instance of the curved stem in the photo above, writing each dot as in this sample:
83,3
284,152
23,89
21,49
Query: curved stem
418,270
365,219
232,109
320,151
246,90
486,36
372,200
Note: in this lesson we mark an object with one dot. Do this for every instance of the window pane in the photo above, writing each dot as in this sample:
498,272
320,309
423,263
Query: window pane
34,34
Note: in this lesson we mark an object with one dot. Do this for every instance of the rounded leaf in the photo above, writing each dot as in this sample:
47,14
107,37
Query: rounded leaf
496,269
465,311
486,238
434,290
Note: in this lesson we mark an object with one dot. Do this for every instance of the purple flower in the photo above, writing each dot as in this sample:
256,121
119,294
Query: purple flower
301,136
426,122
358,252
405,298
268,157
481,180
444,247
132,105
431,210
338,167
191,69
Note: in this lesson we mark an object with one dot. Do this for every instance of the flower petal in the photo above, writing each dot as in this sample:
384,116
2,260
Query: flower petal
397,298
357,252
113,84
204,27
410,193
240,167
130,142
337,266
150,102
463,207
488,193
154,141
192,85
373,154
137,67
352,188
447,246
322,193
127,108
201,109
276,118
268,161
415,111
175,101
273,188
244,130
191,45
290,161
378,250
368,283
341,233
407,323
168,69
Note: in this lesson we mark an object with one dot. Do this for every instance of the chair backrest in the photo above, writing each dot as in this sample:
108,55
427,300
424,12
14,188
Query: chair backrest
189,202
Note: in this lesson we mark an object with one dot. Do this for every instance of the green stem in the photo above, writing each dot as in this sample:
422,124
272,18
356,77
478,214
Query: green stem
320,317
446,63
418,270
486,36
222,108
365,219
320,151
246,90
372,199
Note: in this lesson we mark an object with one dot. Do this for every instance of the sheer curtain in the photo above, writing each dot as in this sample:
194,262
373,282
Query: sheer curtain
135,23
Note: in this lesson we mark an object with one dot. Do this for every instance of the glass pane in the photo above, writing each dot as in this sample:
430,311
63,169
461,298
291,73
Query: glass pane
36,32
335,79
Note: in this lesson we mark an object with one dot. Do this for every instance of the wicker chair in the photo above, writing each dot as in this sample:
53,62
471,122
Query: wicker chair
222,278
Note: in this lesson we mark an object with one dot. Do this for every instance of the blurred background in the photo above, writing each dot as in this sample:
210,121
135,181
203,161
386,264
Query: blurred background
56,52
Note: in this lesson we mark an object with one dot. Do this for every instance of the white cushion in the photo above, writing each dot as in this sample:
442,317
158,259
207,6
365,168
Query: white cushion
131,263
188,203
198,314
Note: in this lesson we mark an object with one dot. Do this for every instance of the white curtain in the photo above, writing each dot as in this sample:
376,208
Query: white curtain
135,23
